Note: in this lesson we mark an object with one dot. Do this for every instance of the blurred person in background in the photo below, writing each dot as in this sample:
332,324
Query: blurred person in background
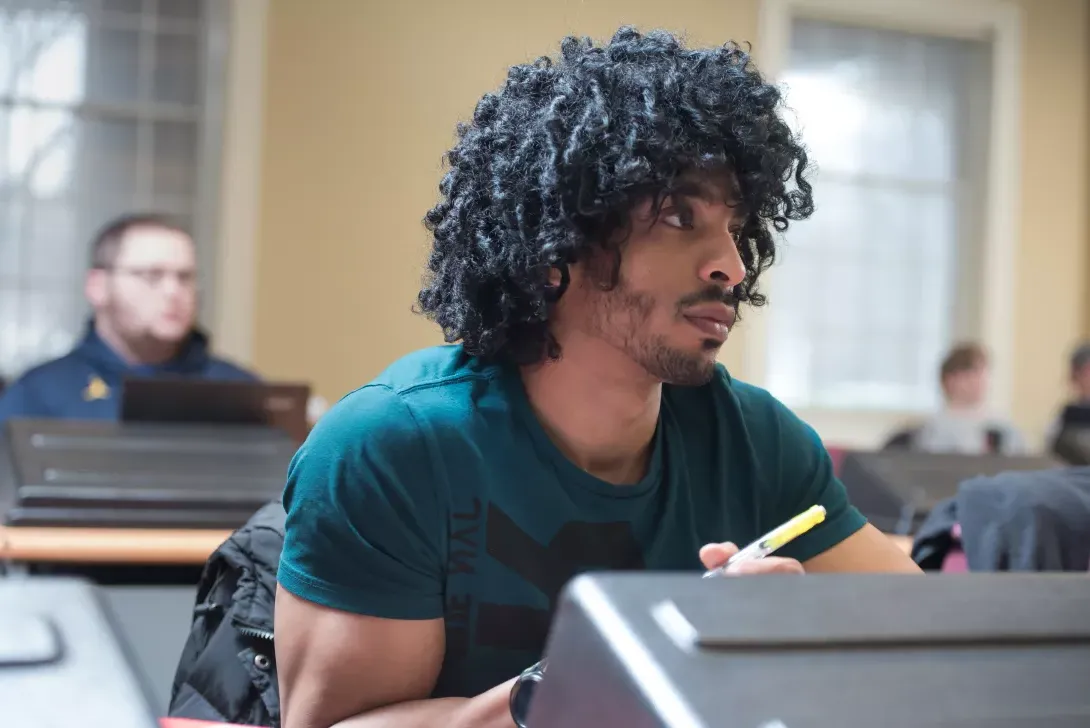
964,424
142,289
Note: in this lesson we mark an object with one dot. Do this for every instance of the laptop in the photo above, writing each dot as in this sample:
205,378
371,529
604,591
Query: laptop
199,401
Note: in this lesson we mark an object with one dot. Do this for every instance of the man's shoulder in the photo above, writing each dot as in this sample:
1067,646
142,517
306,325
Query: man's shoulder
437,387
48,372
44,389
434,368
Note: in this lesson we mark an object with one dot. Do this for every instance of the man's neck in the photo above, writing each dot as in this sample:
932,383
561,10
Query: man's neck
599,407
146,352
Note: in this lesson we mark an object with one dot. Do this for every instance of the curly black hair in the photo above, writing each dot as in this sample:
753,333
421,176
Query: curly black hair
551,167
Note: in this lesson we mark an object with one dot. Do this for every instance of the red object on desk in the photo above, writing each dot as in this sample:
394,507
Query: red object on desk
188,723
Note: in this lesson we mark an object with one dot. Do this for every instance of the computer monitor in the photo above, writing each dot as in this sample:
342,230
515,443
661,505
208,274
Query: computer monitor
819,651
176,399
62,660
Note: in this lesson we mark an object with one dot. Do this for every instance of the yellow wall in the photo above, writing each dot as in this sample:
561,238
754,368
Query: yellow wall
361,102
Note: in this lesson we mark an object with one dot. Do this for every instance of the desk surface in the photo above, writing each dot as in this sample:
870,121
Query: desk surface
134,546
109,545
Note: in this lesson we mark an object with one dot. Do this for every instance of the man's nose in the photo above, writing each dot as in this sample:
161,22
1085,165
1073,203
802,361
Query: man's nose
725,267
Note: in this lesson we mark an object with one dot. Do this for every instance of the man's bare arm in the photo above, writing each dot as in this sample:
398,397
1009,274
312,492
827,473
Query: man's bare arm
866,550
354,671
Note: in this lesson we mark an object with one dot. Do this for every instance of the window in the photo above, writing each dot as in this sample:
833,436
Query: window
106,107
873,288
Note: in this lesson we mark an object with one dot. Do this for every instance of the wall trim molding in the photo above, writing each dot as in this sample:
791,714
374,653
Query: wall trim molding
240,191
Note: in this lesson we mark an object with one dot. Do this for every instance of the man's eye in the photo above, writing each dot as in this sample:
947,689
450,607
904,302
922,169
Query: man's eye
680,220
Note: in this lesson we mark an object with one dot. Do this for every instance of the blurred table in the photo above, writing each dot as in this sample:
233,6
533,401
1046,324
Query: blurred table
144,546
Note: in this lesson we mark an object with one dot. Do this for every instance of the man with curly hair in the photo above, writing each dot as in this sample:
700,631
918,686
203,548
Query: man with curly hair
604,217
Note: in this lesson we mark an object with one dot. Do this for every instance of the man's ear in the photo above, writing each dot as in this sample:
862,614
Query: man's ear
558,281
94,287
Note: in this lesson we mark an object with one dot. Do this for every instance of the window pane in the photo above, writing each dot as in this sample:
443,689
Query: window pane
36,151
10,243
176,149
115,70
43,54
177,68
181,9
123,6
108,151
37,324
54,248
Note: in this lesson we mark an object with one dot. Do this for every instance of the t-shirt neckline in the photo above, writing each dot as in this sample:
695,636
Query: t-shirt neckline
565,468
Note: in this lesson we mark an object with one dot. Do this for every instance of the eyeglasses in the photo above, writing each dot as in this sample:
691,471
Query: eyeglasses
155,277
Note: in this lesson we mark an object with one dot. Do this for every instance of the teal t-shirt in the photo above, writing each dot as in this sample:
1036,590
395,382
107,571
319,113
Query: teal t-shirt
433,491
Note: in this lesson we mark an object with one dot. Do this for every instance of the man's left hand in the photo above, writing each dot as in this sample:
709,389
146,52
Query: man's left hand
715,555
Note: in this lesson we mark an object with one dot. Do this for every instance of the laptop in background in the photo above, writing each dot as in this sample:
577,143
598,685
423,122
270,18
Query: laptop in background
196,401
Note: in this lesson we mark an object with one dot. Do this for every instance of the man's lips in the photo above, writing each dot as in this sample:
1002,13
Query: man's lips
714,320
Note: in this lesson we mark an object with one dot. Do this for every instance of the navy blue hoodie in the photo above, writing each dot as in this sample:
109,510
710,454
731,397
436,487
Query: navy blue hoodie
86,383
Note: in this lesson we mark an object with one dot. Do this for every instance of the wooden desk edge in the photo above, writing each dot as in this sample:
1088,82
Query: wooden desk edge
136,546
109,545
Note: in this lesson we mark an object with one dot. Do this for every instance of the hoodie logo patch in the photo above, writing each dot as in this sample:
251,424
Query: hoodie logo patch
96,389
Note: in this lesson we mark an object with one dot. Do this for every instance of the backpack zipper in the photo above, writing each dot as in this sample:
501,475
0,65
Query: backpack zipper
260,634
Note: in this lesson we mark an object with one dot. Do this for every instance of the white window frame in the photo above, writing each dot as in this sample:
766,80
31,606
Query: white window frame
235,289
999,21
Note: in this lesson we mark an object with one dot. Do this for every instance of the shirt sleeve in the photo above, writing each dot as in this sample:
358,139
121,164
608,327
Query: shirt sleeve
806,479
363,527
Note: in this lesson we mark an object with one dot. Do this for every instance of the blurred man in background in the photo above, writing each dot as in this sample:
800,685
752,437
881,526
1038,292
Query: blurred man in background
964,425
142,289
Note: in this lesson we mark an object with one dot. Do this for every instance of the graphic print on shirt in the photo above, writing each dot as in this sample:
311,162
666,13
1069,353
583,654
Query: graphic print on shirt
465,543
577,547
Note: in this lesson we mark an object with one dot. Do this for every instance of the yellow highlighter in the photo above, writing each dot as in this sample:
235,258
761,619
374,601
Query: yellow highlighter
774,539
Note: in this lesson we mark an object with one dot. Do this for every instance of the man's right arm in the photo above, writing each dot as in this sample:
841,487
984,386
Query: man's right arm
357,671
359,624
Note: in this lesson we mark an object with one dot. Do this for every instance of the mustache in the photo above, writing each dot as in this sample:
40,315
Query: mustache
710,294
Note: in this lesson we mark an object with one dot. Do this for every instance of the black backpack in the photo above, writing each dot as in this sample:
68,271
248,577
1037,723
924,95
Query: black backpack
227,671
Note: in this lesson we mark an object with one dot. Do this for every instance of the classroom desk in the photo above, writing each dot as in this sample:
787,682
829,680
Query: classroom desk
143,546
